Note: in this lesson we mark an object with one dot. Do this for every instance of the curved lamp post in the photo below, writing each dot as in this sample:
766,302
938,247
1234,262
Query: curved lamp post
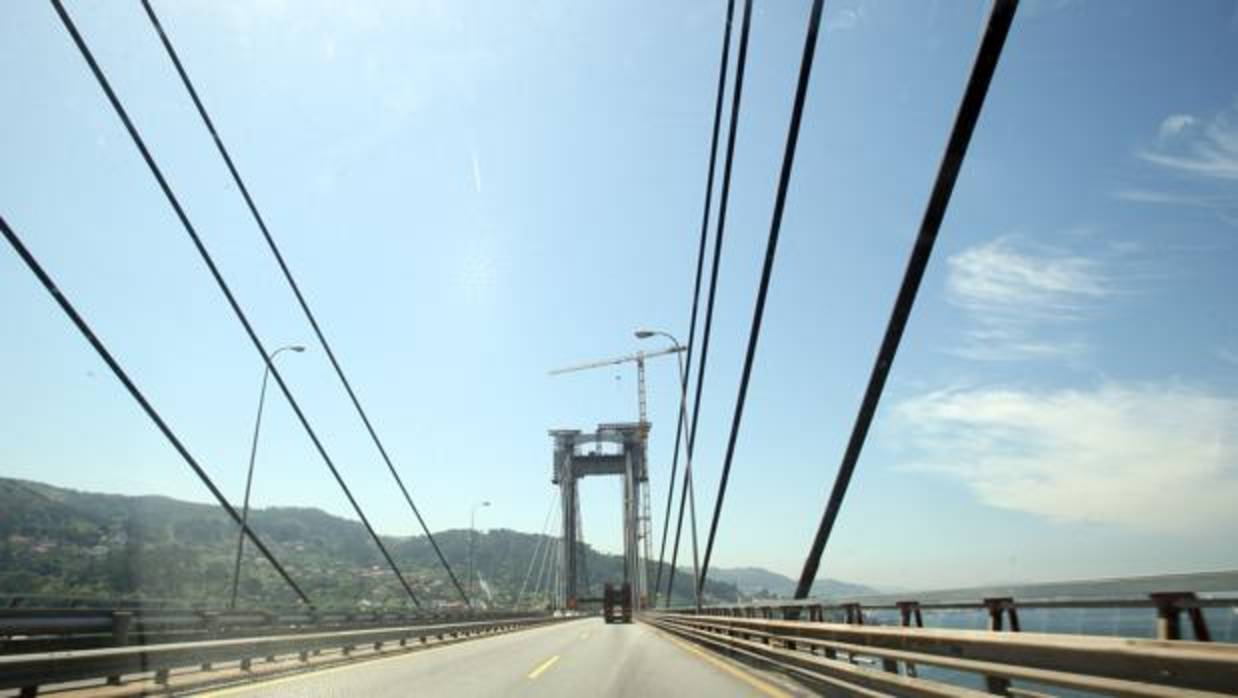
645,333
249,479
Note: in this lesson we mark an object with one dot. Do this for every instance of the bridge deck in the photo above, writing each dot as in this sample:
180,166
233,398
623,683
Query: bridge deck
571,659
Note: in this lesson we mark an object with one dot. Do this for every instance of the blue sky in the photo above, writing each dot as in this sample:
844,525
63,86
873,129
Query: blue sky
471,194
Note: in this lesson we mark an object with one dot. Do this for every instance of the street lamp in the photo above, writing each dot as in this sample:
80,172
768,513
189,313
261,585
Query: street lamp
472,533
249,479
645,333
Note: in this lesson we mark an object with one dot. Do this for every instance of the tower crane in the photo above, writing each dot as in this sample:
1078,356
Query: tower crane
639,359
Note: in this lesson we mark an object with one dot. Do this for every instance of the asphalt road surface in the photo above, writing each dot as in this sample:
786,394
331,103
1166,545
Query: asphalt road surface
577,658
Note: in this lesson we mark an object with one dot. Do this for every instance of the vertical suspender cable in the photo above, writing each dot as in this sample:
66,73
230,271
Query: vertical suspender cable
296,290
102,351
219,280
696,291
1000,18
771,247
736,99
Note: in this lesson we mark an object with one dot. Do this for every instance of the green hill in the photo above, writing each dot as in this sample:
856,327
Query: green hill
61,542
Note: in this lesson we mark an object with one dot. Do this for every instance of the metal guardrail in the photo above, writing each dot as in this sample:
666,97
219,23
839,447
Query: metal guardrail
866,660
11,599
1169,607
27,630
31,671
1203,583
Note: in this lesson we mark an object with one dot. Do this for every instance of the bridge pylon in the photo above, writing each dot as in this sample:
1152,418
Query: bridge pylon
573,460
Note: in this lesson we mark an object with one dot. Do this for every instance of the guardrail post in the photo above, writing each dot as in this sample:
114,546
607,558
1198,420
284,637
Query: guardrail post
122,622
269,619
816,613
909,611
790,613
211,620
997,607
853,614
1169,608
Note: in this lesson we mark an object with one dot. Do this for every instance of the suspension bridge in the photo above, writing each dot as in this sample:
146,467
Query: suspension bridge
687,645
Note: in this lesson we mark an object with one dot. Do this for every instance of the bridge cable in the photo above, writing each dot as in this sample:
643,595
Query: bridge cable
538,589
552,561
554,572
736,100
296,290
219,280
536,551
771,247
696,292
547,553
102,351
1001,16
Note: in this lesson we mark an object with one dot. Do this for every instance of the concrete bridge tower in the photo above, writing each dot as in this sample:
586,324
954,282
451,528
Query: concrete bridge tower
571,463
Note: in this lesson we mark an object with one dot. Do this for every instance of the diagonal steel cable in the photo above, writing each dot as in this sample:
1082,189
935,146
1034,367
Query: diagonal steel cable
736,100
1000,18
65,305
771,248
296,290
696,291
220,282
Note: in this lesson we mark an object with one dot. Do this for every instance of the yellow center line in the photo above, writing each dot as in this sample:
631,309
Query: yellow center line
765,688
258,683
545,665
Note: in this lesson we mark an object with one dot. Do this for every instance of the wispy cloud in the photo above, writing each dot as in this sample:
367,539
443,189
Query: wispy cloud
1147,196
1201,154
1225,206
1118,454
1000,277
1011,291
476,173
844,19
1174,124
1210,150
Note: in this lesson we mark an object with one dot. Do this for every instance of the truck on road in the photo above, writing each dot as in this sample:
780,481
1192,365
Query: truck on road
617,603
